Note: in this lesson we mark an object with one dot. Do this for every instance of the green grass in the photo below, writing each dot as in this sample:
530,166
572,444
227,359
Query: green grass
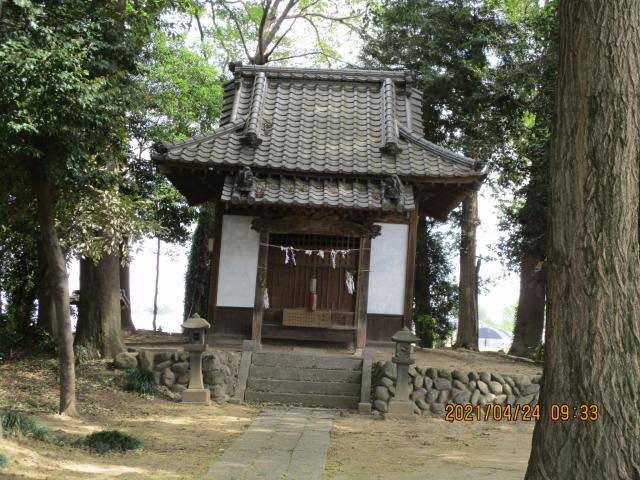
3,461
16,423
138,380
110,441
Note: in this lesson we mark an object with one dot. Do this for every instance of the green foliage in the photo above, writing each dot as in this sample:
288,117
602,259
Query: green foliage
197,276
231,30
538,355
435,294
17,423
531,69
110,441
4,462
139,380
431,332
452,44
178,95
63,107
108,381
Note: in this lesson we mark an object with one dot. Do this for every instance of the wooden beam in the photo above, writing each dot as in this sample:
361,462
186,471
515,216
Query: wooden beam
362,291
261,284
215,264
411,269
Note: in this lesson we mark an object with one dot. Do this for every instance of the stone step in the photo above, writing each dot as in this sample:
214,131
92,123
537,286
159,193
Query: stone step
291,386
308,400
304,374
306,361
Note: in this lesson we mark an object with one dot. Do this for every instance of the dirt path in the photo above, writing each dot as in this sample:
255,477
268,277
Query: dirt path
368,449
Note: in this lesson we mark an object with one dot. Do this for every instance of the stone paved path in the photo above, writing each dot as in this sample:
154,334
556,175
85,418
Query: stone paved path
281,444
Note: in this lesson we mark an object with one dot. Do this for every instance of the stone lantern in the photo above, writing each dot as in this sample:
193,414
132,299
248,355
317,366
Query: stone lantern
195,328
400,406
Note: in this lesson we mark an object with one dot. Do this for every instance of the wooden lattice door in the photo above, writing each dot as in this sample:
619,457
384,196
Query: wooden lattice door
288,283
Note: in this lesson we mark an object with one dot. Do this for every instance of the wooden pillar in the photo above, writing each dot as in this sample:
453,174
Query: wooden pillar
411,269
362,292
215,265
261,284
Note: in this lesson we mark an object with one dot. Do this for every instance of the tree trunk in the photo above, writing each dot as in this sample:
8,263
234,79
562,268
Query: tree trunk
126,322
46,304
468,289
98,331
527,334
155,293
60,293
198,276
593,329
421,290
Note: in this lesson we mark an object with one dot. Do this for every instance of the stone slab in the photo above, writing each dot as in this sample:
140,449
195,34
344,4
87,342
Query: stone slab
287,444
243,375
292,386
307,361
196,396
310,400
364,408
365,382
303,374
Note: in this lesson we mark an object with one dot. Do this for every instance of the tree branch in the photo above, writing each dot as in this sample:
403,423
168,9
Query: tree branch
277,42
288,57
342,20
202,41
278,24
219,37
235,21
266,6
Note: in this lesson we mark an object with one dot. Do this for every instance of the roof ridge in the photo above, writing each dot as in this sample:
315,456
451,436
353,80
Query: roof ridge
404,75
251,135
389,118
432,147
229,127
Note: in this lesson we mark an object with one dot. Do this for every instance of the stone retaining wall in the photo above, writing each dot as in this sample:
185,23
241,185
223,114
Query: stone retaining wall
171,368
431,388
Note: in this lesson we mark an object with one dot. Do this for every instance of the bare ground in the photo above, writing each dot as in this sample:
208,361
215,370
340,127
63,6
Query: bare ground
182,441
467,361
371,448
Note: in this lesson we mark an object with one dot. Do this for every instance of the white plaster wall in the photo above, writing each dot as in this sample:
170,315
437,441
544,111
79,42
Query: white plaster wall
387,270
239,247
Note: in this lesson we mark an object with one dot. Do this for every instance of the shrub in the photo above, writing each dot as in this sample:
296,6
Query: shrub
138,380
110,440
3,461
16,423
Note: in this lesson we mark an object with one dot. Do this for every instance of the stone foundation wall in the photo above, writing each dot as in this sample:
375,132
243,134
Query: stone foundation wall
171,369
432,389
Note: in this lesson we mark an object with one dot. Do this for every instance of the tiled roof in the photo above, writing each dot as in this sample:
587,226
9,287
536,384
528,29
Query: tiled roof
365,195
346,122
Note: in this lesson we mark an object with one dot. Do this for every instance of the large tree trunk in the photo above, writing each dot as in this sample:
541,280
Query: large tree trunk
60,293
593,329
46,303
126,322
468,290
527,334
421,290
98,331
198,276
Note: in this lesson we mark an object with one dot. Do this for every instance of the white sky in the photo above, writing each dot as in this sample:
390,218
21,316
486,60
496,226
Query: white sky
502,293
